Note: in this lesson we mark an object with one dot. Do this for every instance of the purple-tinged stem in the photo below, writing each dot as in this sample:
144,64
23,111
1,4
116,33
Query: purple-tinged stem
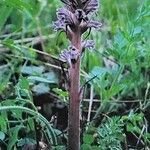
74,107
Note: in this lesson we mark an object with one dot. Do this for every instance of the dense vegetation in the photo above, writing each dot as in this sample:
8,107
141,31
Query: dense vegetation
115,77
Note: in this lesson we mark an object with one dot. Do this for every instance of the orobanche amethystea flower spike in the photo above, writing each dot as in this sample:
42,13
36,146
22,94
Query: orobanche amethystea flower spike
75,16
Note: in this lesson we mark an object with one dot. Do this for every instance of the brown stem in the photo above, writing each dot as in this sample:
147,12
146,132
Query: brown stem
74,107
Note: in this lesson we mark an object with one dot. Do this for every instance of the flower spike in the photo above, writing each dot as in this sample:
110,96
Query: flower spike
75,20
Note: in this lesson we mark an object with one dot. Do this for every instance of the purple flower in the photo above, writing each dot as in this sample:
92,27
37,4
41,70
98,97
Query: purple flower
65,16
70,55
59,25
90,6
88,44
64,55
94,24
67,21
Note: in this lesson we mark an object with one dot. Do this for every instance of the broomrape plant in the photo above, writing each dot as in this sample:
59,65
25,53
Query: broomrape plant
75,19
